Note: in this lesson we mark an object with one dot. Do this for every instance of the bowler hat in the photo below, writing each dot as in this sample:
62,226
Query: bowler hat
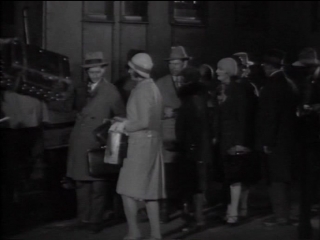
274,57
94,59
244,58
178,53
307,56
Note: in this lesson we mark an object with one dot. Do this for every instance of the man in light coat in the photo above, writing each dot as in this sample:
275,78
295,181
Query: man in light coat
168,86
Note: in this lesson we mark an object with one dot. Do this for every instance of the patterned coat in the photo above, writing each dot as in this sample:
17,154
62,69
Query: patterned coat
104,103
142,174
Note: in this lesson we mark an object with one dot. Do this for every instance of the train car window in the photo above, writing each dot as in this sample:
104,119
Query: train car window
316,14
188,12
98,10
134,11
251,15
7,12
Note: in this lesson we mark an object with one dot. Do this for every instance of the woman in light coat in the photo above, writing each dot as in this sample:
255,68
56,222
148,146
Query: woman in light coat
142,175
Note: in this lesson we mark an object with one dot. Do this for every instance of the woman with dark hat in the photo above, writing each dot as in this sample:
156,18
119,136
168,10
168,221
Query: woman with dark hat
142,175
194,141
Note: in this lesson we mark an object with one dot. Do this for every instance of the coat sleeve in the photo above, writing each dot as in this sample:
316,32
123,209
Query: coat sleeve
118,107
142,107
268,116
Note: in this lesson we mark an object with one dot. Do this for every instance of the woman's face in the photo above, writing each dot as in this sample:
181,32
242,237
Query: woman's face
134,76
222,75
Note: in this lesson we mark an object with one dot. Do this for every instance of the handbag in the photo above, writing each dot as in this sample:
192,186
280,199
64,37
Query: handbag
107,160
96,165
101,132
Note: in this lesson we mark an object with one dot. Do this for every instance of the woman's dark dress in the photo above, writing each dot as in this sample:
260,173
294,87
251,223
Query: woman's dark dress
234,120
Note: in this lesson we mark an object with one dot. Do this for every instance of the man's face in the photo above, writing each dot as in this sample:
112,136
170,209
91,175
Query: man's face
176,66
245,71
96,73
268,69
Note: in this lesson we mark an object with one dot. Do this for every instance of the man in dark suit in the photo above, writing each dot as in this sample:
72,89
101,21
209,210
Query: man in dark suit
306,73
104,102
276,134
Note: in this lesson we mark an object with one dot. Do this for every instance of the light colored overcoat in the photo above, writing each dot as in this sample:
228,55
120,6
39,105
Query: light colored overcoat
142,174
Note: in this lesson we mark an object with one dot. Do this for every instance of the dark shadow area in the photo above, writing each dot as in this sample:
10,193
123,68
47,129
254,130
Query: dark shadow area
41,205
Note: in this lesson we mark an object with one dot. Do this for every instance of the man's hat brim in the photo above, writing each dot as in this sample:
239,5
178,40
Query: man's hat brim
250,63
95,65
303,63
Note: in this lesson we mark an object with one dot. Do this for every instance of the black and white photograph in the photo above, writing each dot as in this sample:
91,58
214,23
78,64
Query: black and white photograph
160,120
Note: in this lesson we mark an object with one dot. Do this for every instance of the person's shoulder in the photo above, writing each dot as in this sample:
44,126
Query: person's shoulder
163,79
109,85
110,88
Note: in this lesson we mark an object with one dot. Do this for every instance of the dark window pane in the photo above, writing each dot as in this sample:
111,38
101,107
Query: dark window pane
135,10
98,9
188,11
252,15
7,12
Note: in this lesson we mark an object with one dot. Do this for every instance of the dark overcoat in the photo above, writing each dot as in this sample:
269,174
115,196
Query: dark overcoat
194,137
234,118
104,103
277,125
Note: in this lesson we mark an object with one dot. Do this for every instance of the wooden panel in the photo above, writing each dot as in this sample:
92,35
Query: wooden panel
98,37
159,41
132,36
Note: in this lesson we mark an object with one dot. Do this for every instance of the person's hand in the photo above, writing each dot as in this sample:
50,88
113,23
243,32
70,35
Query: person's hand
238,150
117,127
307,107
214,141
267,150
119,119
168,112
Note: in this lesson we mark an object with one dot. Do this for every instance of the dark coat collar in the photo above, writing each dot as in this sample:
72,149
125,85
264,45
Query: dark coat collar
191,89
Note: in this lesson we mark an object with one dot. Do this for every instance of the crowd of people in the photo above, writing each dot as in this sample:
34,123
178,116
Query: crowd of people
194,123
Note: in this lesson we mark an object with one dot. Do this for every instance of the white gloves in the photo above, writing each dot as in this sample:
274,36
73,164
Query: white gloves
118,127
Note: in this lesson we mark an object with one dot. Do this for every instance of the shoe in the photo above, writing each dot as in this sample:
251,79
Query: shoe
243,212
189,226
232,220
136,238
274,221
95,227
164,217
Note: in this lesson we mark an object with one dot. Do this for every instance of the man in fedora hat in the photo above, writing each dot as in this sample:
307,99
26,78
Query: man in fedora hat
306,73
246,71
307,56
104,102
168,86
276,134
